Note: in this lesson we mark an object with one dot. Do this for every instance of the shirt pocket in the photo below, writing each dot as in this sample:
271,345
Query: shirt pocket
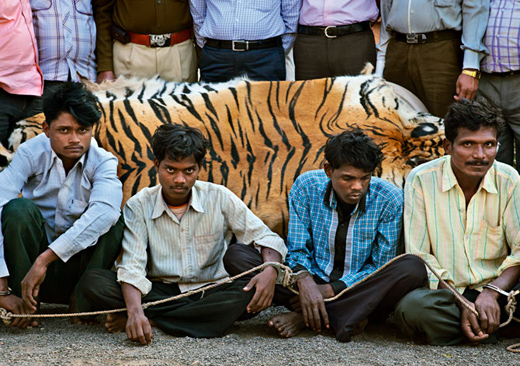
209,249
261,5
83,6
490,243
41,4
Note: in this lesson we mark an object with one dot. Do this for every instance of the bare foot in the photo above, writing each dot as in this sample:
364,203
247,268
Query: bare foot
359,328
73,309
116,323
35,322
287,324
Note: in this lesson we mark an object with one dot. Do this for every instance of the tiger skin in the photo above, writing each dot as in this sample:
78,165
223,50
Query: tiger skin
262,134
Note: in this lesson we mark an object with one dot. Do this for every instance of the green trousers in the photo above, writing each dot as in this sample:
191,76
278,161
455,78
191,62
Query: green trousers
25,239
435,315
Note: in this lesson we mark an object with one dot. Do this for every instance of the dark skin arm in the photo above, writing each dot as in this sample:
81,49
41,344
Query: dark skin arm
34,278
486,304
138,328
311,302
264,282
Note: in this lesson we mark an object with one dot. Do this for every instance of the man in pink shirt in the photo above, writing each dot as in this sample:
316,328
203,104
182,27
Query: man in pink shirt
334,38
21,81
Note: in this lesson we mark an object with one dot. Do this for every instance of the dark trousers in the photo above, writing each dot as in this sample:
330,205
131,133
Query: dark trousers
375,298
13,108
318,57
219,65
203,315
25,239
430,71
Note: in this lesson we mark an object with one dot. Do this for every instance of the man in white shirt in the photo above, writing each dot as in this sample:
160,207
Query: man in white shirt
66,221
175,238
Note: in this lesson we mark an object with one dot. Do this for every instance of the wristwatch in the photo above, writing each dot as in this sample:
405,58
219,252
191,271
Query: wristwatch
473,73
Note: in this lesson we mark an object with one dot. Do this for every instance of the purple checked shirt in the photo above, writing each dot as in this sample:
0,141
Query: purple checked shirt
502,37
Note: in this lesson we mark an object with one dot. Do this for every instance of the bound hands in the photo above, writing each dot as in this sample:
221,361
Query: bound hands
15,305
488,321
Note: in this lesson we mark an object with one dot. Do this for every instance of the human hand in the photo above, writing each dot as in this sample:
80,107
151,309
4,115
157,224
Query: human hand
466,87
488,311
105,76
470,325
138,328
31,285
265,283
312,304
15,305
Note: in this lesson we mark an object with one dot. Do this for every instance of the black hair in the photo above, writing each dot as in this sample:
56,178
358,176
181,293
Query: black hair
177,142
472,115
73,98
353,147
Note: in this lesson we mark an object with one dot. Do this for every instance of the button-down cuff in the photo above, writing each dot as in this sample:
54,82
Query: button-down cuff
4,271
338,286
62,248
471,60
139,282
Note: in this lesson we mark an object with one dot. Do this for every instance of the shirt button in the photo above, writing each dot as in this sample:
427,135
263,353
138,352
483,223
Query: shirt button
159,2
412,11
158,26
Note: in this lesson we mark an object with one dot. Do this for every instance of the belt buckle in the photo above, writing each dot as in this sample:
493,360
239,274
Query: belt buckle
234,45
160,40
327,30
415,38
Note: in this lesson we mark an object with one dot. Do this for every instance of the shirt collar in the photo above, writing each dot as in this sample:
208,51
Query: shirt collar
449,180
330,199
161,206
80,163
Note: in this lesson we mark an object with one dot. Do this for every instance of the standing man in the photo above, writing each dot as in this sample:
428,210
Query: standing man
244,38
175,238
66,37
144,39
462,216
433,48
21,81
334,38
344,225
501,73
67,220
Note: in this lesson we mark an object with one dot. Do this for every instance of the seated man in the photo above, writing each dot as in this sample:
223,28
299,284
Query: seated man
461,216
66,221
175,237
344,225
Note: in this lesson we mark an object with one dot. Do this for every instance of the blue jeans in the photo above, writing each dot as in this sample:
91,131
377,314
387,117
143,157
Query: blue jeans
219,65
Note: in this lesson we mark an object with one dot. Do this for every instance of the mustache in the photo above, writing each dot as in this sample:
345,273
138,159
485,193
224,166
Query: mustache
478,163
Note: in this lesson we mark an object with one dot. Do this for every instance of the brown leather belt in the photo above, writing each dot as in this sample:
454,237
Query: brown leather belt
334,31
503,74
159,40
421,38
241,45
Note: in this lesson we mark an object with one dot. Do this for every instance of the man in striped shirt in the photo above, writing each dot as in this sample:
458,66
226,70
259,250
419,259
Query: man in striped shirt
462,216
175,238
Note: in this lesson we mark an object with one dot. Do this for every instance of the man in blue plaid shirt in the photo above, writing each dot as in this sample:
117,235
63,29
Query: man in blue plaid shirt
344,226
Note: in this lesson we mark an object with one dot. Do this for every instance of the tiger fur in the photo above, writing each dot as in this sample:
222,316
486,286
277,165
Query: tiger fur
262,134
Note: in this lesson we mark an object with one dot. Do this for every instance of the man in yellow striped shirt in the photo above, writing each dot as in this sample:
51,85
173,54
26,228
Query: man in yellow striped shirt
462,215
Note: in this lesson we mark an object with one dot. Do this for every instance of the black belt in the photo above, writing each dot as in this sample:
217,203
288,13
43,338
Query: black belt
334,31
504,74
244,45
420,38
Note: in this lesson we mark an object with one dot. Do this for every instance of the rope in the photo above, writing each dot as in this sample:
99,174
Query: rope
287,279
